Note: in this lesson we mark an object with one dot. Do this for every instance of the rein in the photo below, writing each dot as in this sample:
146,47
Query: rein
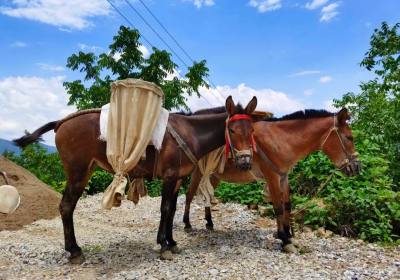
349,157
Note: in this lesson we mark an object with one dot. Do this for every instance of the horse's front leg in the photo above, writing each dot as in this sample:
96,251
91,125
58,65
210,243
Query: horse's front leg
287,216
168,203
279,209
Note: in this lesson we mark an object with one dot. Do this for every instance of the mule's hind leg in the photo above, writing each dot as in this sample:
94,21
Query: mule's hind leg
208,217
207,210
77,180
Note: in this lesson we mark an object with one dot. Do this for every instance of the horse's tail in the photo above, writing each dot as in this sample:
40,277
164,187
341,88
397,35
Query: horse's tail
30,138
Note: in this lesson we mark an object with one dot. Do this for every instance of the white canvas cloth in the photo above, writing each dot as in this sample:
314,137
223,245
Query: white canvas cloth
9,199
135,106
158,133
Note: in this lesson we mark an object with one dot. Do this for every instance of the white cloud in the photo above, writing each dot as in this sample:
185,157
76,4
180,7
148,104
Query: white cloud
145,51
305,72
266,5
200,3
329,12
49,67
19,44
270,100
325,79
308,92
30,102
315,4
66,14
85,47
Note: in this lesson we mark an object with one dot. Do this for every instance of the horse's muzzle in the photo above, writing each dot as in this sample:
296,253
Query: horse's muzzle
352,168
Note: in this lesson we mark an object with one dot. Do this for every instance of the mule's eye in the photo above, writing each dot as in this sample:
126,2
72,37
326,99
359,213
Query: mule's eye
350,138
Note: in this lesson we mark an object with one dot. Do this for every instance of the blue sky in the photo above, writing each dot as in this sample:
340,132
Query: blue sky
291,54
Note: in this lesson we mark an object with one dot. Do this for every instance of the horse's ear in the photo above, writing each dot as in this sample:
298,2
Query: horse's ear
343,115
251,106
230,106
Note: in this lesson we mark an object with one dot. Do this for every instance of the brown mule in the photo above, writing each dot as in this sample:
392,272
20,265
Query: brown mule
281,144
77,141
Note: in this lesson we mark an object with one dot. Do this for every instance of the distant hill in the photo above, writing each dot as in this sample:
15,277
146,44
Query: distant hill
9,146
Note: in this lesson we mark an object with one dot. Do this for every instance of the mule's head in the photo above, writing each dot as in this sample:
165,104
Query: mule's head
239,133
338,145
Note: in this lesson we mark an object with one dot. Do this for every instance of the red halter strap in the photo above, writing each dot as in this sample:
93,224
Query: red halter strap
228,144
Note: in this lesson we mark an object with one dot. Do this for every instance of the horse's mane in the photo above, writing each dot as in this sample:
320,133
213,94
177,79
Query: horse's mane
303,115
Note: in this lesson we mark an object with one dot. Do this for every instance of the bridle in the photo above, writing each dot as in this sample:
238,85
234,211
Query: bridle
229,147
350,158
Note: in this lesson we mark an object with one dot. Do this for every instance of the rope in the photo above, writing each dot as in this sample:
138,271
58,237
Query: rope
308,203
182,144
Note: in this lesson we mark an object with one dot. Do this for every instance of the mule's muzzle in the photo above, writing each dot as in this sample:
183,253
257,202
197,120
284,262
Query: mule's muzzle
243,160
352,167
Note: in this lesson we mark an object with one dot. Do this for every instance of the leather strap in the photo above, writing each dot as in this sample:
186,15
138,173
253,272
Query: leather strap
181,143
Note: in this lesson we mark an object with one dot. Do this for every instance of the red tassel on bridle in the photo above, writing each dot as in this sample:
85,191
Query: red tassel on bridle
228,143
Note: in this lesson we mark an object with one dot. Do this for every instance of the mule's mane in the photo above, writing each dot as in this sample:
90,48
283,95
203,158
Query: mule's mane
215,110
303,115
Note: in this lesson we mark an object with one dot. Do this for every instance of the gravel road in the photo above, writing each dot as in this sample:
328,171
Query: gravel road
120,244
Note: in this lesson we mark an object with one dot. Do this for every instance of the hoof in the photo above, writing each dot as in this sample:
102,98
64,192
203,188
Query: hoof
209,227
78,259
188,229
295,242
166,255
175,250
289,248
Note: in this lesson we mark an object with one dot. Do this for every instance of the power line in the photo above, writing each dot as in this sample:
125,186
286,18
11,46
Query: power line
166,30
148,42
162,39
127,20
173,38
155,31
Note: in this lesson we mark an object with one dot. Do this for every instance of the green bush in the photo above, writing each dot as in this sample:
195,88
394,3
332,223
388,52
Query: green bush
251,193
99,181
365,206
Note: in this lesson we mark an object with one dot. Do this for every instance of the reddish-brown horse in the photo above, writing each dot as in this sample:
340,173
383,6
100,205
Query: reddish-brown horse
77,141
281,144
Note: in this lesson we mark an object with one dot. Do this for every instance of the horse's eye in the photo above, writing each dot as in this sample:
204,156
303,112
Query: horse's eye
231,130
350,138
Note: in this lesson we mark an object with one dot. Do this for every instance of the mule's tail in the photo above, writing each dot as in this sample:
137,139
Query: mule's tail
30,138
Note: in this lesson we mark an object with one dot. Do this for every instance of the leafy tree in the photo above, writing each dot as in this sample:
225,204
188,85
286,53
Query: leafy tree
376,109
125,60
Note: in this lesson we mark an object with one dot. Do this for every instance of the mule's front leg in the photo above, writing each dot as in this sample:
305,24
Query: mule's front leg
164,234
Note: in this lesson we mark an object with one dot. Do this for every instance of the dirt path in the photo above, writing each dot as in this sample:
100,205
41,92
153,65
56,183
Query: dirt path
120,244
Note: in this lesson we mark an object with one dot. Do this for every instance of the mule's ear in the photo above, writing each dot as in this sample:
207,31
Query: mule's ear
343,115
230,106
251,106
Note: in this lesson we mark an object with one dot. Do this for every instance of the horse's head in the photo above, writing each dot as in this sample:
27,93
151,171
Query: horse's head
338,145
239,133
